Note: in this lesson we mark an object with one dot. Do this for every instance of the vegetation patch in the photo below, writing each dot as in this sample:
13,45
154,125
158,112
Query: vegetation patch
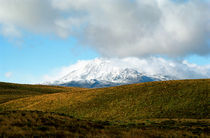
154,109
36,123
128,103
11,91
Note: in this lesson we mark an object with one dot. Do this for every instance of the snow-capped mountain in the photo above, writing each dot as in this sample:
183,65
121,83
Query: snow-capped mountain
103,73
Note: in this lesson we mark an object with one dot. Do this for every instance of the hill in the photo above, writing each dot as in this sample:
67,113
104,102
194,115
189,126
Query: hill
153,109
11,91
128,103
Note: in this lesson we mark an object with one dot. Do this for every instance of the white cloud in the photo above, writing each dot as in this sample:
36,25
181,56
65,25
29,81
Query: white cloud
34,15
8,74
149,66
120,28
10,31
140,28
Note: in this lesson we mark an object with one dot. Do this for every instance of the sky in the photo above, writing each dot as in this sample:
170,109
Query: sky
40,37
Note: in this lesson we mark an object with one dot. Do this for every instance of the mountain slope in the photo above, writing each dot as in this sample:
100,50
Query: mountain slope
105,73
101,72
128,103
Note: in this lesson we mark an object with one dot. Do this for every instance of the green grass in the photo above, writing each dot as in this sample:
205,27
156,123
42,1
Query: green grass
167,108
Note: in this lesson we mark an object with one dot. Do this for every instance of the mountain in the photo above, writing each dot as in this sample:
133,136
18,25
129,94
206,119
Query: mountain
102,72
105,73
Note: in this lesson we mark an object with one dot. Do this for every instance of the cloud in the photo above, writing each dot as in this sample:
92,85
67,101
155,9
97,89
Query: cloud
34,15
8,74
150,66
10,31
118,28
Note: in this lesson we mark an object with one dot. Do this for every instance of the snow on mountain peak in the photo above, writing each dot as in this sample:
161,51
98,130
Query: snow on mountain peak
100,69
128,70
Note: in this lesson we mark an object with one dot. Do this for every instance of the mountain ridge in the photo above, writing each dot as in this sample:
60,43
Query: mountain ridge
105,73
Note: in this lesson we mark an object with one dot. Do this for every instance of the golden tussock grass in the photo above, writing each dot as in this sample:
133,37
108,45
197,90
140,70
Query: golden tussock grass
155,109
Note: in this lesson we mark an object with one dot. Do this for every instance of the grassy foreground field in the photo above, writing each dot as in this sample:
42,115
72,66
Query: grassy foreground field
36,123
167,108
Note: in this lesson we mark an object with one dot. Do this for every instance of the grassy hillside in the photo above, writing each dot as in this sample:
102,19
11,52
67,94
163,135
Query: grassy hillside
10,91
129,103
154,109
34,123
